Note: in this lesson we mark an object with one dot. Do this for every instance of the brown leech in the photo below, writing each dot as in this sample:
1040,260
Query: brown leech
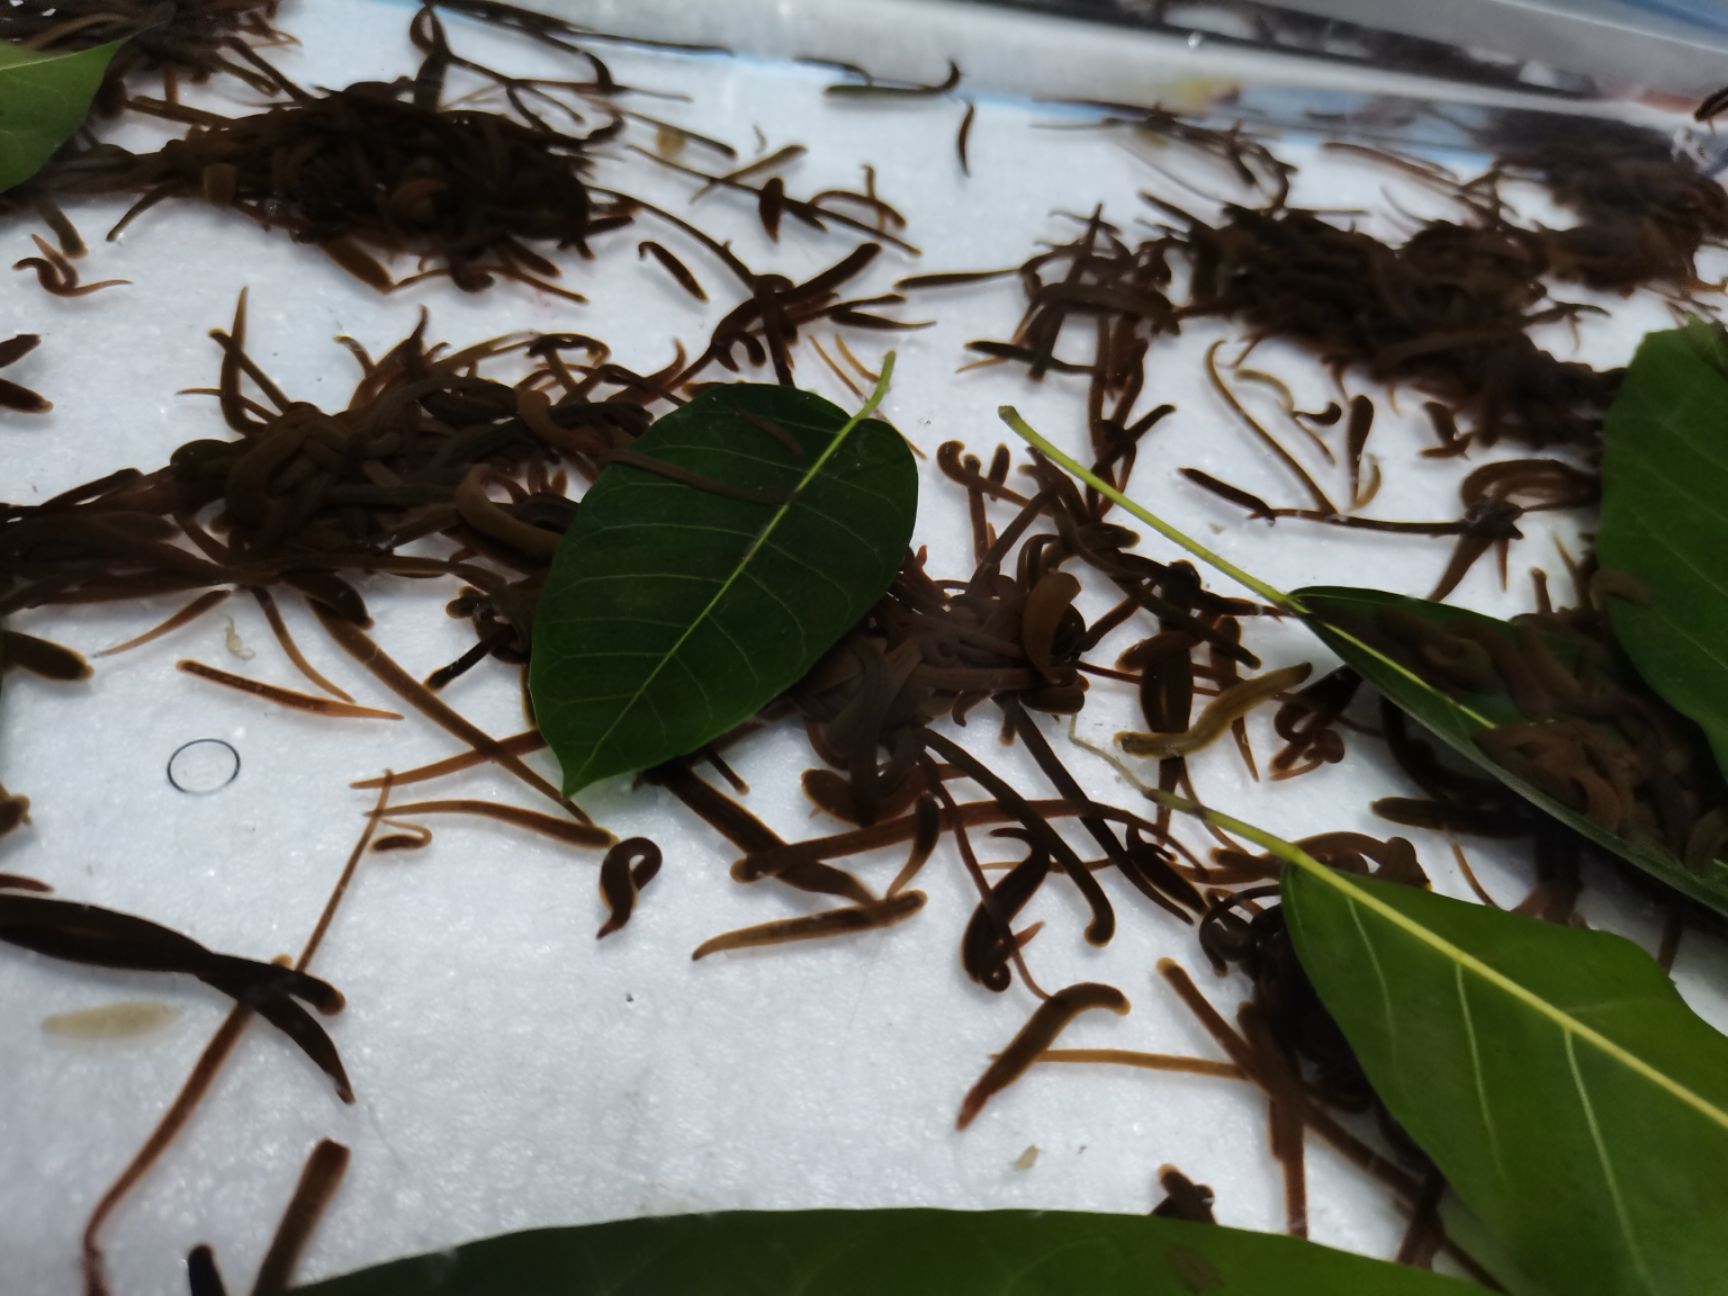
558,829
517,745
203,1278
13,396
1047,1022
1173,1062
323,706
964,137
629,866
1183,1198
876,89
674,267
56,273
319,1179
870,916
1217,716
41,657
97,937
184,616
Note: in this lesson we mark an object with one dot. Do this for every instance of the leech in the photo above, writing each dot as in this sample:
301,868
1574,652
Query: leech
872,89
517,745
319,1179
674,267
628,867
41,657
1283,1121
279,628
927,830
1103,920
1253,504
1047,1022
828,922
990,915
564,830
767,162
285,697
1470,879
1356,440
203,1278
1216,718
1145,1061
407,836
835,369
868,374
185,616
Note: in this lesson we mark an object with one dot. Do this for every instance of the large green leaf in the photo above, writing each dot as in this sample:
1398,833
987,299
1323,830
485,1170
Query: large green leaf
1576,1106
891,1253
1341,617
1665,520
1573,1101
675,611
43,99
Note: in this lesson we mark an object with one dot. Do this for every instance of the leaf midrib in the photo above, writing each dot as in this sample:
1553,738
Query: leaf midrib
1470,963
1445,699
756,545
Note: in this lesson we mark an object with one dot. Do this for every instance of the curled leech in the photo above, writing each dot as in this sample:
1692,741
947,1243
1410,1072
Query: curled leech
56,273
629,866
1183,1198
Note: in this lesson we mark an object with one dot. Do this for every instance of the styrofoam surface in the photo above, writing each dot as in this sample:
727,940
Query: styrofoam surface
510,1070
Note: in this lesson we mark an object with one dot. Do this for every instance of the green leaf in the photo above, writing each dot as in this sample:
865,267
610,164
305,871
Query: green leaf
1576,1106
1338,615
1573,1101
43,99
674,612
1665,520
892,1253
1342,617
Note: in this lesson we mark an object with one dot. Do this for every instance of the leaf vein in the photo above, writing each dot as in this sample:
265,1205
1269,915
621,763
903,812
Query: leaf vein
1614,1194
1380,976
1480,1082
